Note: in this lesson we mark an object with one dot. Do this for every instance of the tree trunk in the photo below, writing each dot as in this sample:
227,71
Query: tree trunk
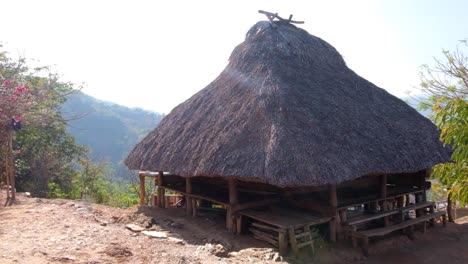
451,217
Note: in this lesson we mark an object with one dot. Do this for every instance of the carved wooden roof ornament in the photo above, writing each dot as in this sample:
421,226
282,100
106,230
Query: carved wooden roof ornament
273,16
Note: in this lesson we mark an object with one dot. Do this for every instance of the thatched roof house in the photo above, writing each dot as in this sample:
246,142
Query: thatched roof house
288,111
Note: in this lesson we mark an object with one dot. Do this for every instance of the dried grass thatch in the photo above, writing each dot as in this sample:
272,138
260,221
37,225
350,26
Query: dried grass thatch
288,111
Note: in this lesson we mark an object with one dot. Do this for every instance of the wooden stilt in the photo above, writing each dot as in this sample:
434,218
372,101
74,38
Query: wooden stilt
400,201
282,242
188,199
194,207
333,201
239,224
233,201
383,194
142,189
293,241
365,246
161,191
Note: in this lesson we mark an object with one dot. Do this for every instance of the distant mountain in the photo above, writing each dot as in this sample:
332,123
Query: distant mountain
108,129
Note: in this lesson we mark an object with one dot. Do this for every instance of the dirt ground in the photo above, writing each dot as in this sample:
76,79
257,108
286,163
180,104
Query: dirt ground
64,231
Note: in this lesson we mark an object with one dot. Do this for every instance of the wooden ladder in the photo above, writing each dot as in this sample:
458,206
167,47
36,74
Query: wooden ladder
300,237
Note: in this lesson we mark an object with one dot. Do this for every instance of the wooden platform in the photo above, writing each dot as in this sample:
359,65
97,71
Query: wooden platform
284,218
366,234
281,226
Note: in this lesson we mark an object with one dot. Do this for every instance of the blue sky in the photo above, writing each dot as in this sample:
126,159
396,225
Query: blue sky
156,54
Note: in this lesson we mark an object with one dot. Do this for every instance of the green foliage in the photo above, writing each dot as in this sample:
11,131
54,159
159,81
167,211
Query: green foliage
447,85
452,119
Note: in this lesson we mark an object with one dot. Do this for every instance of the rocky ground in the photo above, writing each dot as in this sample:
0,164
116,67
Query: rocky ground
64,231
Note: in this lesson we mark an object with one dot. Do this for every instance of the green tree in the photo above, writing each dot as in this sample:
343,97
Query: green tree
42,149
447,85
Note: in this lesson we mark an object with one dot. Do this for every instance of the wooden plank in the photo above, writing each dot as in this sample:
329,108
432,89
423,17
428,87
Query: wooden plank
242,206
306,243
263,233
265,227
266,239
301,235
368,200
367,218
386,230
284,218
416,206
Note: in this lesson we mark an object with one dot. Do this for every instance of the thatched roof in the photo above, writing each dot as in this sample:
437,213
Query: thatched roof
288,111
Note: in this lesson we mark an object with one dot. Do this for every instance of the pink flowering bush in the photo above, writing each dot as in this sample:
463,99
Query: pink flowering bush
15,100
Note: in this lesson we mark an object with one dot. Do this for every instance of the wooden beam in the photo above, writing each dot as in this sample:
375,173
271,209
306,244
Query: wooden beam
188,199
142,189
333,201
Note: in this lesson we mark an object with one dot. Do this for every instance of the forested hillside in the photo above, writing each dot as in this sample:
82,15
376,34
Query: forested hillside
109,130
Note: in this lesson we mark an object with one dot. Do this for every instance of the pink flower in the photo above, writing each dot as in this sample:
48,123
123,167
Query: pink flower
6,82
20,88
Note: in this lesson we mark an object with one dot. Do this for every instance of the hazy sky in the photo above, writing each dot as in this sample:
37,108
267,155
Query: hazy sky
156,54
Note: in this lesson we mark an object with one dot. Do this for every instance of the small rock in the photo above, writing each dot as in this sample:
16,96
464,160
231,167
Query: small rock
217,250
134,228
176,225
177,240
103,223
155,234
277,257
27,194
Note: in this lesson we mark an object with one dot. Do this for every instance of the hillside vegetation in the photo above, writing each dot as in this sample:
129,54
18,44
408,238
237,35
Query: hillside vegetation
109,130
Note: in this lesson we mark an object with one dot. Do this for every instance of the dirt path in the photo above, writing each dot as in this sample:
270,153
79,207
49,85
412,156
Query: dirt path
63,231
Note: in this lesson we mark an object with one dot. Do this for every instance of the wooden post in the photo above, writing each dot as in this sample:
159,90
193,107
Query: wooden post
142,189
233,201
239,224
383,194
422,185
293,241
188,199
333,200
194,207
161,191
400,201
282,241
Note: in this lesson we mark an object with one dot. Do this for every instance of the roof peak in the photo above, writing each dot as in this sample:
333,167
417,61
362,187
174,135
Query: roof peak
272,16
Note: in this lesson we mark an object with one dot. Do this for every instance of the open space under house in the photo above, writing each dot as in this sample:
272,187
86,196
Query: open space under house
287,138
